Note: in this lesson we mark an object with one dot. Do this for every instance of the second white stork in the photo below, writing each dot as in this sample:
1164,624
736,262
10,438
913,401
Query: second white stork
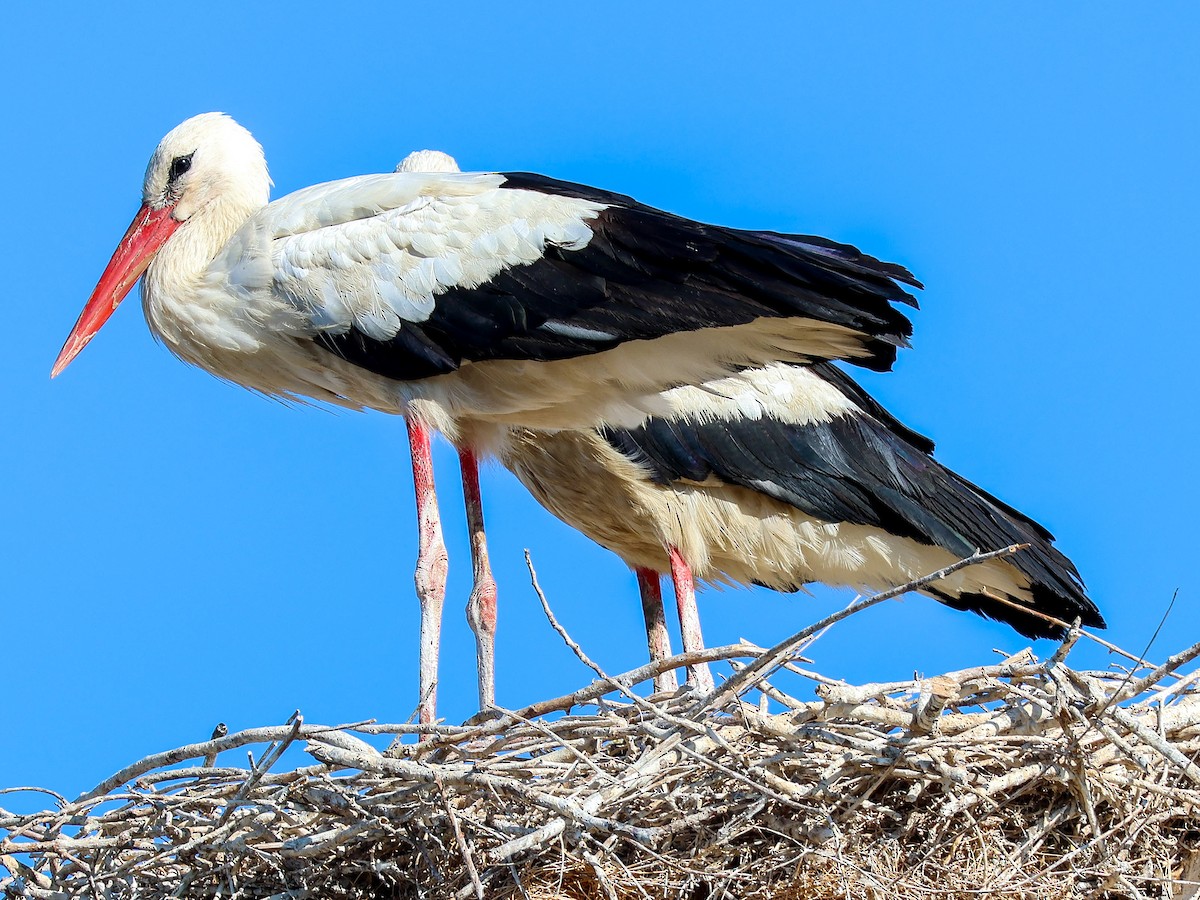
469,302
784,475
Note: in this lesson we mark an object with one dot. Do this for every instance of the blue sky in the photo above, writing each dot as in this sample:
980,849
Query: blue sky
178,552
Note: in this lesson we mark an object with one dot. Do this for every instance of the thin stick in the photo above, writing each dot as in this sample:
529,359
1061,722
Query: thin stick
741,681
467,857
562,632
201,750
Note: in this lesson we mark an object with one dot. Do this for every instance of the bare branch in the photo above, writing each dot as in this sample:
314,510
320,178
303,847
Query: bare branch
1018,778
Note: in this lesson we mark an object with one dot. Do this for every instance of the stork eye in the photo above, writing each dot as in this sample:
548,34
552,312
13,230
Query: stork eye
179,165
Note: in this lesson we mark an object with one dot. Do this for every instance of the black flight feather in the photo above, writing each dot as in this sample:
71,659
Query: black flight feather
867,469
644,274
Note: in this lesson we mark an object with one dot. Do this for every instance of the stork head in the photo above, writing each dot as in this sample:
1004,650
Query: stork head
209,158
208,167
428,161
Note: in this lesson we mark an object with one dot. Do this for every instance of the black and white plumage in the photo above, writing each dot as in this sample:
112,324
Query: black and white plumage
785,475
642,274
470,302
364,291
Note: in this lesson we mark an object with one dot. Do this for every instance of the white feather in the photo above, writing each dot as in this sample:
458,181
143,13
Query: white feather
778,391
241,287
727,534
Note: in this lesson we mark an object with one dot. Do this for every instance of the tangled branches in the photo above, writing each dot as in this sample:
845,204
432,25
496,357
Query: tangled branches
1023,778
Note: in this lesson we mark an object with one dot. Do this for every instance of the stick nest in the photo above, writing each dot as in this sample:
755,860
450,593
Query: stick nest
1025,778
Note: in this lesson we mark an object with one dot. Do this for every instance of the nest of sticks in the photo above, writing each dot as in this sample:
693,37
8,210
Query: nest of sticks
1023,778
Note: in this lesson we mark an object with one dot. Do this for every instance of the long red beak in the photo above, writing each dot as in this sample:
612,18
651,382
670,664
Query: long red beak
149,231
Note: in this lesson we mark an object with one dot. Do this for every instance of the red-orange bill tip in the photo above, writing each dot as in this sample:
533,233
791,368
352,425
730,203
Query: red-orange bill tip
148,232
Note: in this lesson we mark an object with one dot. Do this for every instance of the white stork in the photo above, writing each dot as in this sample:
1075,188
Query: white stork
785,475
470,303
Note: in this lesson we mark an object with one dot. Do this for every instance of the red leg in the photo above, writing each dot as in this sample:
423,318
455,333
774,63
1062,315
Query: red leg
481,607
432,564
689,618
656,626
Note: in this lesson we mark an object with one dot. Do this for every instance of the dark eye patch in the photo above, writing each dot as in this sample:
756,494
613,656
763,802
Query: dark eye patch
179,165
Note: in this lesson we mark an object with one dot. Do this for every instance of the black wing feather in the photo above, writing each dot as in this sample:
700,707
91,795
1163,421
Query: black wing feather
866,469
644,274
868,404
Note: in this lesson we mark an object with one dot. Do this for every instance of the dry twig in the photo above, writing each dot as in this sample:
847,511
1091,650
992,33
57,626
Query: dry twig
1015,779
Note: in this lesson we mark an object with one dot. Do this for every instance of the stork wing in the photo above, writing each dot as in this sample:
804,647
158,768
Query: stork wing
412,275
853,391
852,467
